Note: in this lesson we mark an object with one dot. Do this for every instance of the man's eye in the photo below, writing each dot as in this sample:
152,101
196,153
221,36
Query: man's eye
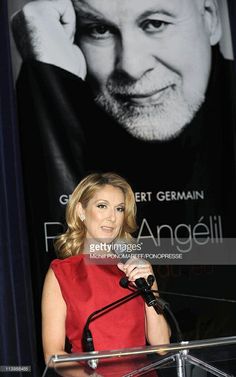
97,31
153,26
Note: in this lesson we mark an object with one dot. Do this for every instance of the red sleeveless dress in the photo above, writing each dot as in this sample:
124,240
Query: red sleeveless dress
87,287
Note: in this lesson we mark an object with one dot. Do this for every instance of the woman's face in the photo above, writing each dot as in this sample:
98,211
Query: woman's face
104,214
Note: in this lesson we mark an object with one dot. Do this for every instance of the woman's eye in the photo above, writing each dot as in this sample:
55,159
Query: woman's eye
101,205
120,209
153,26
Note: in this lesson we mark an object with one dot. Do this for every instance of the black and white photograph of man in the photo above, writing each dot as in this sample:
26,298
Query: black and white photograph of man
148,63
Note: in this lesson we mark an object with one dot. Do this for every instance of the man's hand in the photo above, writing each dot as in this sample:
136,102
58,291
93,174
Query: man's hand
44,30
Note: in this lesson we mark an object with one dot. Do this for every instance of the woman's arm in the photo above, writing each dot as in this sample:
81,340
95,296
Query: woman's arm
53,317
157,329
53,326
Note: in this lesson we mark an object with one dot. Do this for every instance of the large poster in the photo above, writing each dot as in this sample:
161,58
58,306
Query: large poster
145,89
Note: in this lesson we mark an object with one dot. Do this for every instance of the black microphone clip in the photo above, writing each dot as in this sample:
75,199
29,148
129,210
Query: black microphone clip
144,287
149,297
88,346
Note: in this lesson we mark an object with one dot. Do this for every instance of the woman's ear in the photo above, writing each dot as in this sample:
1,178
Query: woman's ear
80,211
212,21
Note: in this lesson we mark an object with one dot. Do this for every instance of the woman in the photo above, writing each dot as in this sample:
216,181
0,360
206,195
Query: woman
100,210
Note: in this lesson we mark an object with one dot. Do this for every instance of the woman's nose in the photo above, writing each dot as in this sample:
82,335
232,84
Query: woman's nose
112,215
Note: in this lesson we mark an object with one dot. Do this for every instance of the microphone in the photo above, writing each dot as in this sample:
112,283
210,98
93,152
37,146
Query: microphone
148,296
144,287
87,338
158,303
141,284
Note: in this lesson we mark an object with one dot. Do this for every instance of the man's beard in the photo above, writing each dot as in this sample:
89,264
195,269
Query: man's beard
163,119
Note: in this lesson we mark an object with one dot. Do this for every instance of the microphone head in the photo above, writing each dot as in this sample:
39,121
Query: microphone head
120,249
125,249
124,282
150,280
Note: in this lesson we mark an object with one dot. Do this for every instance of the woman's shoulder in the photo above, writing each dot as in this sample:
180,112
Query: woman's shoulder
66,261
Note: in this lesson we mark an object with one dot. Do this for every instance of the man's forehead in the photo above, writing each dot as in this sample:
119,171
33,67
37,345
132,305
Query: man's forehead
107,8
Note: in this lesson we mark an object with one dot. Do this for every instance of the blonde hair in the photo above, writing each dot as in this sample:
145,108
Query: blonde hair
72,241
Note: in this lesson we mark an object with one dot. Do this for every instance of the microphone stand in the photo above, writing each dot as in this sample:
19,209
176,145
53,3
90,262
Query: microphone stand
87,338
182,356
156,302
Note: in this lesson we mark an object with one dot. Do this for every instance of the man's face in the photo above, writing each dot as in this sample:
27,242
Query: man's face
148,61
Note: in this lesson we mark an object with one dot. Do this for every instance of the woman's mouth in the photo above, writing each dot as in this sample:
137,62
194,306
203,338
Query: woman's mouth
107,229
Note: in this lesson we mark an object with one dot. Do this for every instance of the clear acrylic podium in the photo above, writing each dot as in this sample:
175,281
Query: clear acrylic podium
204,358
